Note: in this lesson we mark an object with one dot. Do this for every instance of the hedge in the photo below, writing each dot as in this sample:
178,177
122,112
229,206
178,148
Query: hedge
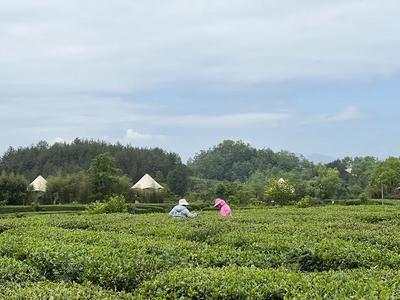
9,209
310,253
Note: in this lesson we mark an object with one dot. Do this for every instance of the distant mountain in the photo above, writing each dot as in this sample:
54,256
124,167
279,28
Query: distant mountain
320,158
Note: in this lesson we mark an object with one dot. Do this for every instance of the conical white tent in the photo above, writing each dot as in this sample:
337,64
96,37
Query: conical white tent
39,185
147,182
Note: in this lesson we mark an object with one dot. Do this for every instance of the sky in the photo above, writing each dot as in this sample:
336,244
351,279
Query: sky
311,77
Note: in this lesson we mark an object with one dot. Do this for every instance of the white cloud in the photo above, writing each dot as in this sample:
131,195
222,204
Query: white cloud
350,113
239,120
133,45
134,136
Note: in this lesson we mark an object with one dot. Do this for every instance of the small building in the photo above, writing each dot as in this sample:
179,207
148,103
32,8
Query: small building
38,185
147,190
147,182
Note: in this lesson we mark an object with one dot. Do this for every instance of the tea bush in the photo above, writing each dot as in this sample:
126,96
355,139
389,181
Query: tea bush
250,283
57,291
331,252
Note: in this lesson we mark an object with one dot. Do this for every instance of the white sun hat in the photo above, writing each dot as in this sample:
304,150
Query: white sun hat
183,202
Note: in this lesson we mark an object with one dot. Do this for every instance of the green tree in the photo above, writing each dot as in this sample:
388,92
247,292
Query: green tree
326,184
281,191
236,160
178,180
355,173
362,169
256,184
13,188
201,189
230,160
233,192
385,178
69,188
104,175
71,158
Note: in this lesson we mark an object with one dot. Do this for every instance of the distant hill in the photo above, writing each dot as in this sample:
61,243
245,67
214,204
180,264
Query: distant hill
66,158
236,160
229,160
320,158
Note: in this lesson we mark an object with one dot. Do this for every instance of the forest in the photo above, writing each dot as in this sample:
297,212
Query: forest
86,171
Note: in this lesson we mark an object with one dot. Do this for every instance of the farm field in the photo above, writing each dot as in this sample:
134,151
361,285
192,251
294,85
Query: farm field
332,252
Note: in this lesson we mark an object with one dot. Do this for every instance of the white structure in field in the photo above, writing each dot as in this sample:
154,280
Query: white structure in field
349,170
38,185
147,182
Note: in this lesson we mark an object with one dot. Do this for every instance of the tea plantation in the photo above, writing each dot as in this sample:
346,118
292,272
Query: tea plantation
331,252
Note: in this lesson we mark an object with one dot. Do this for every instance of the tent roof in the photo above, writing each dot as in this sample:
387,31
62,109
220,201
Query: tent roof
39,184
147,182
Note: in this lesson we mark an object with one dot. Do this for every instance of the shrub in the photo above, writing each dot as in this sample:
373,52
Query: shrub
306,201
282,253
353,202
252,283
36,206
13,188
142,209
115,204
17,271
363,198
58,291
280,191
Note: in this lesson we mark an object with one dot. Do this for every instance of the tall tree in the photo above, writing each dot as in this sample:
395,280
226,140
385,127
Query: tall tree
178,180
104,175
281,191
385,179
327,183
13,188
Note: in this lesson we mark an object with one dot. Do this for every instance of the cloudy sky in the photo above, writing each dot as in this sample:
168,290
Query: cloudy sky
312,76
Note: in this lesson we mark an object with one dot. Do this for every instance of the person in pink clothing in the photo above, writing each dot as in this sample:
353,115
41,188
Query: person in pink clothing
224,208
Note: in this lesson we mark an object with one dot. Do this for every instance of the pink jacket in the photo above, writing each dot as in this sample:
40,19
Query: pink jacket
224,208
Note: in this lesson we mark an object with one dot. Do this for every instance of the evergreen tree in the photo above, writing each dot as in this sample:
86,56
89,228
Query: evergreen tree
104,175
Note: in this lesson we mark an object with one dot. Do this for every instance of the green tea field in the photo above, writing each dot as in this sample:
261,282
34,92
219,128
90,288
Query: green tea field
333,252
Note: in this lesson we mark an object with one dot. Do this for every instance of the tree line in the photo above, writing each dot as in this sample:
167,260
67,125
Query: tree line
87,170
69,158
74,170
239,171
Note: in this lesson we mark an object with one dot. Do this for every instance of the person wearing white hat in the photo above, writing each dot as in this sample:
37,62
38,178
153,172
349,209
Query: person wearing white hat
181,211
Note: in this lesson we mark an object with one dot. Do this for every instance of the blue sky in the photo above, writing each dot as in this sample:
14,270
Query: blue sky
309,77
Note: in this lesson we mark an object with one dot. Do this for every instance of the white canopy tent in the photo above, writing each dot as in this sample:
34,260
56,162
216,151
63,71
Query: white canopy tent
147,182
39,185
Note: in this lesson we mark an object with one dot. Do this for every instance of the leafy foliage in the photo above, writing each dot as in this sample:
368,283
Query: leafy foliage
232,161
281,191
304,202
63,158
280,253
13,188
115,204
386,176
326,184
85,171
69,188
178,180
103,175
